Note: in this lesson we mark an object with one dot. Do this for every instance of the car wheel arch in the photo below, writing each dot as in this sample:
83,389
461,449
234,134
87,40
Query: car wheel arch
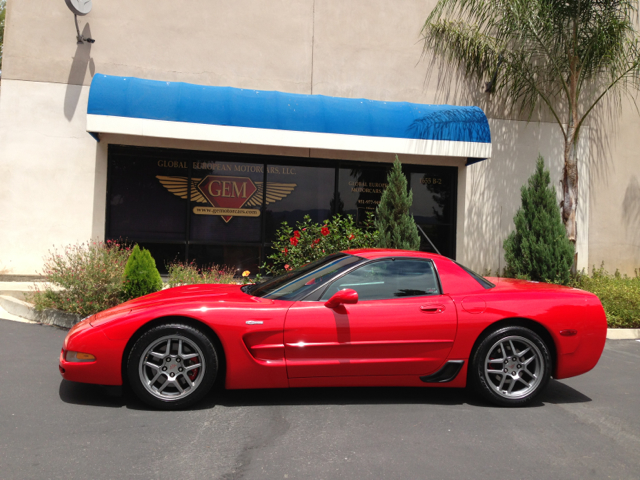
192,322
536,327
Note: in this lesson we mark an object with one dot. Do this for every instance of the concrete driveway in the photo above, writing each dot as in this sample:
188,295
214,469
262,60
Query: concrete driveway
585,427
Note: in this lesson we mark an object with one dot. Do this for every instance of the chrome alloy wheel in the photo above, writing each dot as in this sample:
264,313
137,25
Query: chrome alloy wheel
514,367
172,367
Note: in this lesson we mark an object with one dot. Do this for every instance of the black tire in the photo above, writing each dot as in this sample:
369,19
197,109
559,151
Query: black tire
510,367
175,379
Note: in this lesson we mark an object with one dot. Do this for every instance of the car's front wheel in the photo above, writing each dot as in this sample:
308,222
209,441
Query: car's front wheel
510,366
172,366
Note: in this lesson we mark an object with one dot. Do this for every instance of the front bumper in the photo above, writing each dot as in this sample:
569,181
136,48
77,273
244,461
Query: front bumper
105,370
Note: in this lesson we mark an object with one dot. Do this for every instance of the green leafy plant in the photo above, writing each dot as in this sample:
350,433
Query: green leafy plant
538,249
85,278
396,226
310,241
619,294
141,276
190,274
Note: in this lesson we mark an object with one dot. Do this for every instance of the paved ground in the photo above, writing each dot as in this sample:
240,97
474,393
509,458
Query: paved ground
586,427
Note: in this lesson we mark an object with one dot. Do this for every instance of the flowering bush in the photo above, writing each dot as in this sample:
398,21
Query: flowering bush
189,274
310,241
84,278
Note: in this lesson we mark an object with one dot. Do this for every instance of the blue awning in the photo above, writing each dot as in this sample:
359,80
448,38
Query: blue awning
133,106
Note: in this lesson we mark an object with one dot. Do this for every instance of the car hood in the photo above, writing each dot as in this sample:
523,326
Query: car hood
187,294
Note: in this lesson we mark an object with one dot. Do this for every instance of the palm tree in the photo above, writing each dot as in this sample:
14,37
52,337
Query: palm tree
564,55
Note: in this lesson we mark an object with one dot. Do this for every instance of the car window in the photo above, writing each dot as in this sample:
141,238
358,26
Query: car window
389,279
299,282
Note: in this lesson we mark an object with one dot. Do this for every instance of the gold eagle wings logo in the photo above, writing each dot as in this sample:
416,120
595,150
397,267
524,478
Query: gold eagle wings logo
228,196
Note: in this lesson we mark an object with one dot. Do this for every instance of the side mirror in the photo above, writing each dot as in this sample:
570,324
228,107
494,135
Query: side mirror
342,297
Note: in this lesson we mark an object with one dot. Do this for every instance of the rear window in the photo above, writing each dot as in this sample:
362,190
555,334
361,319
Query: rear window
478,278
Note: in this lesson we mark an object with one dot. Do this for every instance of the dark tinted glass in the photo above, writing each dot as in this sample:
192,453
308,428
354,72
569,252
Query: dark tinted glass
433,208
140,206
359,191
388,279
226,201
293,192
297,283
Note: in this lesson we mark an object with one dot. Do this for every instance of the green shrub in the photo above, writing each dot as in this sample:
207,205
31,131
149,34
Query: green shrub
620,295
85,278
311,241
189,274
141,276
539,249
396,226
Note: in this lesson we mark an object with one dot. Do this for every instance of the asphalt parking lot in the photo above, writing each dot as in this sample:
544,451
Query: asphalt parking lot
584,427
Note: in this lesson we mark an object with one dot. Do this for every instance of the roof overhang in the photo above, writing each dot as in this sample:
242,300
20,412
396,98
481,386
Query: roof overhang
133,106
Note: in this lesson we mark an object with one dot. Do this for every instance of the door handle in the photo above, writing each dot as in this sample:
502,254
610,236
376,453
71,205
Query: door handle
432,308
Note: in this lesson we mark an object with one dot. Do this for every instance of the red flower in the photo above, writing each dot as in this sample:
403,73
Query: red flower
293,241
287,267
286,250
324,230
316,241
296,234
352,236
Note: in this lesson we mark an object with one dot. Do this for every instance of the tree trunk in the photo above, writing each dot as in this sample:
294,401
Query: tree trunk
570,184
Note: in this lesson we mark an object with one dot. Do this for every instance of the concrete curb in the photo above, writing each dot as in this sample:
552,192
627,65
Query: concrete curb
48,316
68,320
623,333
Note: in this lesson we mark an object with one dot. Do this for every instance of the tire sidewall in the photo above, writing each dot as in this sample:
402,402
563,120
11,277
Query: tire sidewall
189,332
478,380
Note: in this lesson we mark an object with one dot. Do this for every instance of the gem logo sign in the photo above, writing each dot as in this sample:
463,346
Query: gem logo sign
227,196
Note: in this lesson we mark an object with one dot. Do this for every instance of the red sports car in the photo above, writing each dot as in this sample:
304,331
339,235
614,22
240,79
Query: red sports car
356,318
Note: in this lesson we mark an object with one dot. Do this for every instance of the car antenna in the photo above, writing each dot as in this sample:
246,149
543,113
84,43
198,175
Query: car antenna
428,239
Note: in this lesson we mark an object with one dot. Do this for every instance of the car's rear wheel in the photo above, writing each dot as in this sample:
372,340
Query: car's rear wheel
172,366
510,367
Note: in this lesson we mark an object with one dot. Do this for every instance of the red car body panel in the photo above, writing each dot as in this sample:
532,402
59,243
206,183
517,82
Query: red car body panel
378,342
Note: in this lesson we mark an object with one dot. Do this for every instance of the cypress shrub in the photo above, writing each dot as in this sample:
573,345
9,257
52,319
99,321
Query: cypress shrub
396,226
538,249
141,276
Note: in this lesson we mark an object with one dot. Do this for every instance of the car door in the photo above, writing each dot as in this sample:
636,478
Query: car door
401,325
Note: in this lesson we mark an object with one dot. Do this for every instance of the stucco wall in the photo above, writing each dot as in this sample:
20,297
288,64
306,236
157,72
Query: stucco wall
614,236
493,190
49,168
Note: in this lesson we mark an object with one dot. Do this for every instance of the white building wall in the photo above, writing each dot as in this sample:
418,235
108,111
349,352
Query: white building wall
492,191
49,168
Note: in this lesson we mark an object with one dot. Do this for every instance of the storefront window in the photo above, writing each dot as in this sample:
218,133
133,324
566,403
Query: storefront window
147,198
226,201
213,208
293,192
359,190
433,208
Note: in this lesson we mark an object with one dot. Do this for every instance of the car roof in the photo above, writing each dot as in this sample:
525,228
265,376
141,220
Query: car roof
372,253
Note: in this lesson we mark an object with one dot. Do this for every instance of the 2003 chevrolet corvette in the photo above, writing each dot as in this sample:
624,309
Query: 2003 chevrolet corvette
356,318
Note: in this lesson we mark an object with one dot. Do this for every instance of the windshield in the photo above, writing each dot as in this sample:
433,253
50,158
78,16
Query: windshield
296,283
